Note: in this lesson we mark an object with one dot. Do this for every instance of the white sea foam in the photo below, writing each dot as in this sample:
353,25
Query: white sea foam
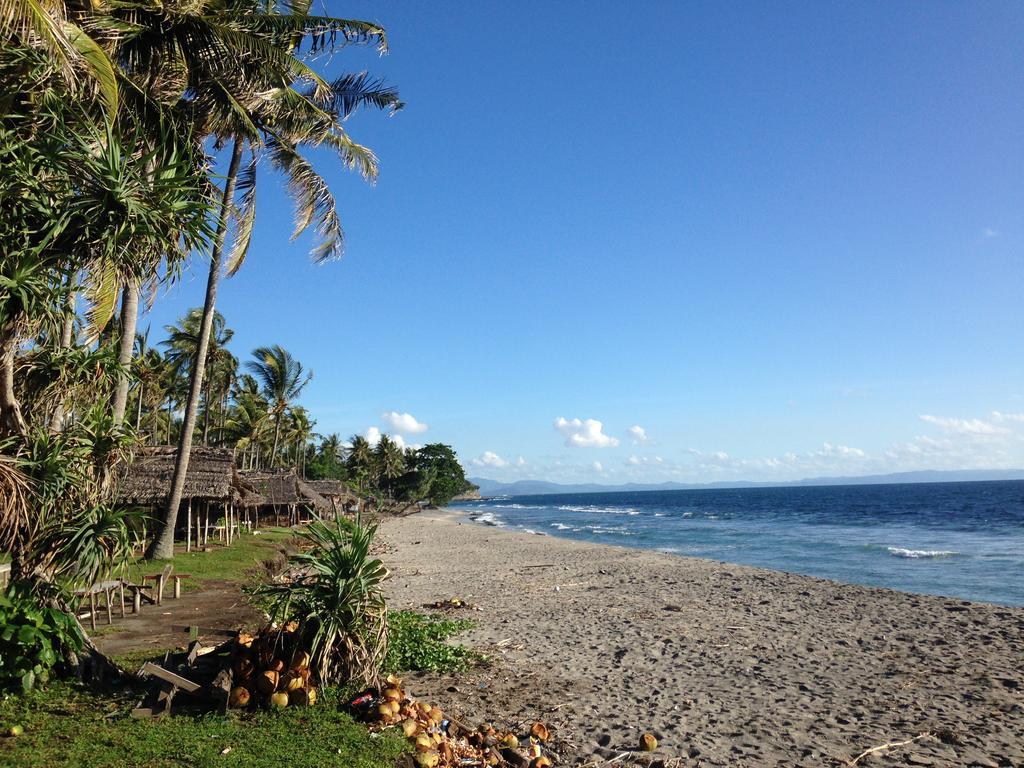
562,526
516,506
488,518
600,510
687,514
915,554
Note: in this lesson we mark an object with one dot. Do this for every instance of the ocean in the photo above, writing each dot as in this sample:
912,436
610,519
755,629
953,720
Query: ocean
961,540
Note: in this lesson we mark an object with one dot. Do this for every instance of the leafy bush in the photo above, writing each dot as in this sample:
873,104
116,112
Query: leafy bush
416,642
337,601
33,638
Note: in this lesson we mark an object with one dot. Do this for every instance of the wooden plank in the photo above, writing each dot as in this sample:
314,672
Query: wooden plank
157,671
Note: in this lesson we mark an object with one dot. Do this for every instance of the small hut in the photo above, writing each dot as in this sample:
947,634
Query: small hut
342,498
211,485
282,490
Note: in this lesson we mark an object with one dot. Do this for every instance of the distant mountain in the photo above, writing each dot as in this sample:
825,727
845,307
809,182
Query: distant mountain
541,487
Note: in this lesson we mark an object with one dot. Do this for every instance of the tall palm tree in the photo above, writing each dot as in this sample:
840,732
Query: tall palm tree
275,118
281,378
390,460
182,346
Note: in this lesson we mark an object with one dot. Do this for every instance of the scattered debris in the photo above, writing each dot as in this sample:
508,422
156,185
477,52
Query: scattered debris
442,742
452,604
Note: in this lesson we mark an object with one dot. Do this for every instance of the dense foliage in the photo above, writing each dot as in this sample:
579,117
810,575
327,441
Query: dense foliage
417,642
113,117
337,600
33,639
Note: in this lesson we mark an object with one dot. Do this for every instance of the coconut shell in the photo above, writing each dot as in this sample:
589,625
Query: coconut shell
648,743
267,681
539,731
239,697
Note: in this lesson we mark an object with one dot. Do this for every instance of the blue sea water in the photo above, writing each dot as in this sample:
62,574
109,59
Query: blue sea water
956,539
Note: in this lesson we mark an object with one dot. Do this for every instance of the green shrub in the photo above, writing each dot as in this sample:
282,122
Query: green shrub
416,642
33,638
337,600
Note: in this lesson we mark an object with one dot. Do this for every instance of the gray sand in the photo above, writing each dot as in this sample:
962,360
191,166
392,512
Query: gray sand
727,665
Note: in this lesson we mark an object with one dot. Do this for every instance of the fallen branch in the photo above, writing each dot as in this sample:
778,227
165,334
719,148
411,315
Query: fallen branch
883,747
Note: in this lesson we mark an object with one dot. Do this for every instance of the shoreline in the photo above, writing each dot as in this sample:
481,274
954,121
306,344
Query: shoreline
726,664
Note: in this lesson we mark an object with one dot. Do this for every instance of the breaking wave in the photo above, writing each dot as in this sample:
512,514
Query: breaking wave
914,554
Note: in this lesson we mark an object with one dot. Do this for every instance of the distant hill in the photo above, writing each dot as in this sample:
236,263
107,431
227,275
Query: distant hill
541,487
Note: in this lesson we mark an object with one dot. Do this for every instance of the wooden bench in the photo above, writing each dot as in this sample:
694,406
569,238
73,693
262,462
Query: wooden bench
151,590
107,588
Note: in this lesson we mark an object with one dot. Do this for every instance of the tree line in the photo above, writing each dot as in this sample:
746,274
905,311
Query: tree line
112,119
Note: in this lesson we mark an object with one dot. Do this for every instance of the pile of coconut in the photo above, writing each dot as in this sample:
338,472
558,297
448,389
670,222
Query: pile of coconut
445,743
271,669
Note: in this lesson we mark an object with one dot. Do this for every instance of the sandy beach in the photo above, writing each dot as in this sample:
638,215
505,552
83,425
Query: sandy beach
727,665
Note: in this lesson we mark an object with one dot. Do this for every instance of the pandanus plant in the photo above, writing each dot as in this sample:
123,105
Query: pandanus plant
338,601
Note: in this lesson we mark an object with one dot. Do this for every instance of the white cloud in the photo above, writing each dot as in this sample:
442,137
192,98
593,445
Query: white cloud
373,436
585,433
520,462
964,426
639,434
997,416
489,459
405,423
989,233
598,467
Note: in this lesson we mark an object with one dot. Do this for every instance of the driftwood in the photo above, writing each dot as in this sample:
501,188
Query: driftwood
887,746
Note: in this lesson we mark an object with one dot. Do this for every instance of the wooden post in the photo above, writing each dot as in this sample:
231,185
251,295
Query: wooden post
92,610
188,528
136,600
110,605
120,587
206,532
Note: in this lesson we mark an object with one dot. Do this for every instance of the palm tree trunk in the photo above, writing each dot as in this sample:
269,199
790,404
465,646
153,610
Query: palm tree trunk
11,420
277,432
206,414
162,546
129,319
138,411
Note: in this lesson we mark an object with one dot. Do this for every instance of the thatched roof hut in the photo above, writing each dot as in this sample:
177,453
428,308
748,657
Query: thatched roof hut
332,489
211,475
284,487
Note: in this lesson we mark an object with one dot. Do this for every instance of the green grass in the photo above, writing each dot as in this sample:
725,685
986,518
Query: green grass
67,725
418,642
221,563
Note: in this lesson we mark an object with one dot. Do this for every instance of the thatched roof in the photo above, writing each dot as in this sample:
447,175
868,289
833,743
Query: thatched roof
281,486
331,489
211,475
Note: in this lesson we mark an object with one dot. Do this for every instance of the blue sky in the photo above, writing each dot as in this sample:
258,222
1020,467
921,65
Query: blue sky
784,239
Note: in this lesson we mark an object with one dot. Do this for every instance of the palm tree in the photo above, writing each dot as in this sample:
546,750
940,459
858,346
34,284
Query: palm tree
298,432
271,115
390,460
281,378
360,462
182,346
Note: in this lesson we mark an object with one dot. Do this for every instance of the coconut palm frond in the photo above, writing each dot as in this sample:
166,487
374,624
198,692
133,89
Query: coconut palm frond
101,288
244,45
313,199
246,187
349,92
97,63
354,156
322,32
34,20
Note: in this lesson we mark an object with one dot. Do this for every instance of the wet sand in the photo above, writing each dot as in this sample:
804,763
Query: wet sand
727,665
